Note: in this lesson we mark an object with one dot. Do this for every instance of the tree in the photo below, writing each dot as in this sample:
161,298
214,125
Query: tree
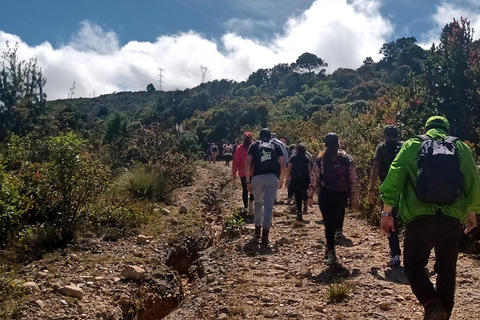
310,63
22,99
449,79
151,88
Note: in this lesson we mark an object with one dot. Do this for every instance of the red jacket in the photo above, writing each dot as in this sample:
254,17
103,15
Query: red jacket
239,160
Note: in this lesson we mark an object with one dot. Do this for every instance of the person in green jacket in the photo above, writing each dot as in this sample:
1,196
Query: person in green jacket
430,225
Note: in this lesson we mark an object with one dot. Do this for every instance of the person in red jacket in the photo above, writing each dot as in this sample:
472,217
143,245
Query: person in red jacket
239,160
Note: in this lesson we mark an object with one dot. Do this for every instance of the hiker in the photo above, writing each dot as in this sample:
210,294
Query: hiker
214,151
278,143
290,151
268,165
436,194
238,164
341,217
228,153
335,177
385,152
206,150
298,178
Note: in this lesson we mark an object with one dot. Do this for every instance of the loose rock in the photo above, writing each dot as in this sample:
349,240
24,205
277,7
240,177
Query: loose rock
32,285
71,291
133,273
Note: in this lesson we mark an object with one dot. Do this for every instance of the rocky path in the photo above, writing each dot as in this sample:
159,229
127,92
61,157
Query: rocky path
231,279
239,279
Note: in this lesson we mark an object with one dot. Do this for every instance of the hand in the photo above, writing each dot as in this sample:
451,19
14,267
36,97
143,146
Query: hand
310,202
354,202
471,222
249,187
371,197
387,225
234,175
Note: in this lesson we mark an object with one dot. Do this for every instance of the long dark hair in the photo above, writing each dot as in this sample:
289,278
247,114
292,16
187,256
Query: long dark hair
329,153
301,149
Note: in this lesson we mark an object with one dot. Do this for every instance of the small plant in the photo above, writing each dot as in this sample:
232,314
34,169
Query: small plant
234,225
145,183
338,292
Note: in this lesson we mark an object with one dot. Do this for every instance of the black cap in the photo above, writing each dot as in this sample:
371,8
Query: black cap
265,134
331,139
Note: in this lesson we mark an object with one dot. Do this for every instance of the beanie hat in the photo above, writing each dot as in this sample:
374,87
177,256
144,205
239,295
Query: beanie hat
331,139
390,131
437,122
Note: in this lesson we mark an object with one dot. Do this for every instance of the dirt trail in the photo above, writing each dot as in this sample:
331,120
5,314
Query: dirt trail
233,278
239,279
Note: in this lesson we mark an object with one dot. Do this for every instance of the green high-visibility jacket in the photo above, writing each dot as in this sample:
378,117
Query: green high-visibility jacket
398,189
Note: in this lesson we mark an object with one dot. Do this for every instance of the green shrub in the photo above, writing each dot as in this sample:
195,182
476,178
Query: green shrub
10,213
338,292
145,183
234,225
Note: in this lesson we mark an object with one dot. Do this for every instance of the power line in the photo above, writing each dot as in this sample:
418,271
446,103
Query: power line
204,72
160,78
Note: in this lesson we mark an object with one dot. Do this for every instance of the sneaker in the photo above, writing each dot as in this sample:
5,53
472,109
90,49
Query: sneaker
394,261
250,207
339,234
330,257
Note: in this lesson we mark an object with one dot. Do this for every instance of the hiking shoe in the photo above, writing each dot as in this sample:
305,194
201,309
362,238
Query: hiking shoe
339,234
330,257
434,310
299,217
258,230
394,261
250,207
265,236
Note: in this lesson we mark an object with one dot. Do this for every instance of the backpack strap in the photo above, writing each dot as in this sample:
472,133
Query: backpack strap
451,139
423,137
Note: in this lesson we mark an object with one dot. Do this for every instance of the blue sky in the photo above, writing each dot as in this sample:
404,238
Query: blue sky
106,46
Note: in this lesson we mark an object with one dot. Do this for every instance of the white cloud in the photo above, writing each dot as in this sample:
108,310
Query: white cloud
342,32
445,14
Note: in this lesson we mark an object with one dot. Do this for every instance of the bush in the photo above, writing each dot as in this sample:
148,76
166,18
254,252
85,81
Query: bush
10,214
234,225
338,292
146,183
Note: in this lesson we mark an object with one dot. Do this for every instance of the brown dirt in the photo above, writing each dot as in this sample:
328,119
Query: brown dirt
233,278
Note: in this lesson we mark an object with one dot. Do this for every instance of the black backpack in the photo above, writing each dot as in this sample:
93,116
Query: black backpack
389,151
439,179
265,157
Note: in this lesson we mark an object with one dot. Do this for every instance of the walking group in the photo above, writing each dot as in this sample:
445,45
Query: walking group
430,183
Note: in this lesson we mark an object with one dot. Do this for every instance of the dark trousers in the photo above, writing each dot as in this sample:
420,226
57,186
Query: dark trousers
228,159
442,233
332,205
299,187
393,241
245,192
340,221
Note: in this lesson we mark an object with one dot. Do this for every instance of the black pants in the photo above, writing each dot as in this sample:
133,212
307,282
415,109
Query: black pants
299,187
340,221
442,233
245,192
332,205
228,159
393,241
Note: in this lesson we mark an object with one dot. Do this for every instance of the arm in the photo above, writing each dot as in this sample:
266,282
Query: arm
235,164
373,180
248,167
281,161
289,173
